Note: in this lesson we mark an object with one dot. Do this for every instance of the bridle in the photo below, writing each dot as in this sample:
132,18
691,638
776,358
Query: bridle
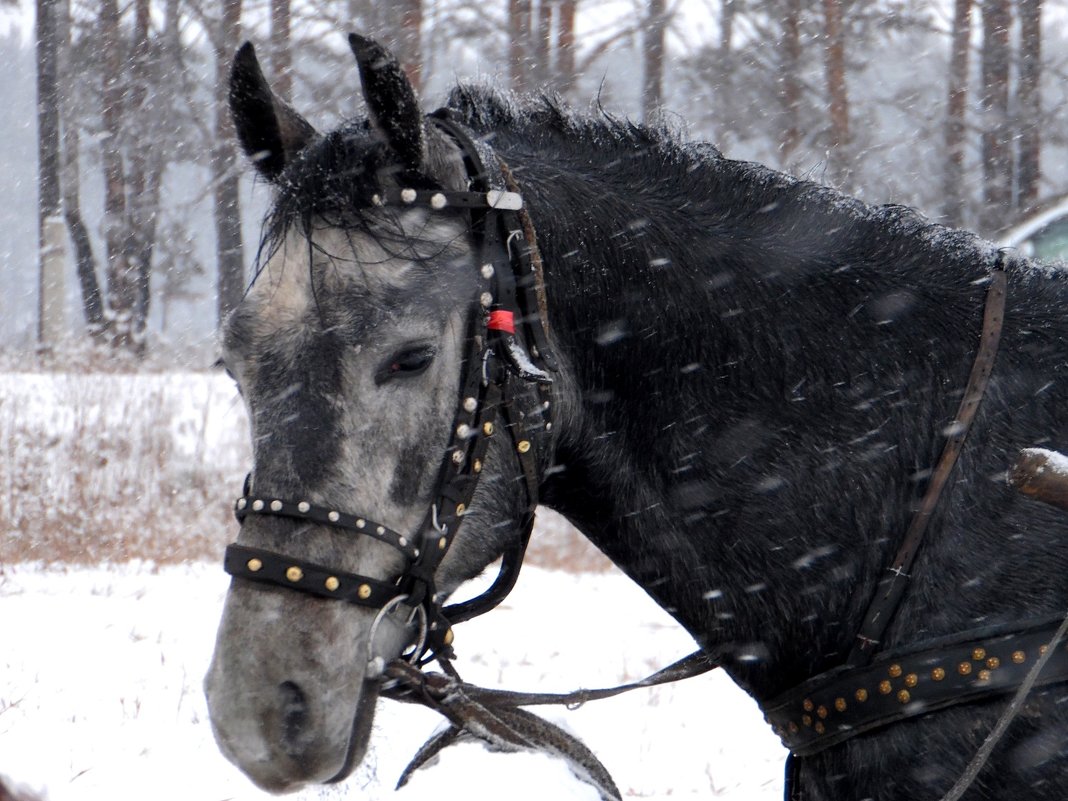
507,350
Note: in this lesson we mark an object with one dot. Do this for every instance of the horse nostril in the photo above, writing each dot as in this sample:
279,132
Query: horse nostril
293,714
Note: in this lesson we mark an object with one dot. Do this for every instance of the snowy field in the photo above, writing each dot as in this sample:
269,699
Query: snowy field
102,656
100,695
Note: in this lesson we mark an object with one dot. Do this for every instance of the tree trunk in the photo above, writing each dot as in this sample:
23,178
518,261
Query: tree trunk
956,105
228,246
84,259
281,54
994,102
519,21
653,59
838,98
1029,106
565,48
411,27
50,322
790,74
541,39
141,178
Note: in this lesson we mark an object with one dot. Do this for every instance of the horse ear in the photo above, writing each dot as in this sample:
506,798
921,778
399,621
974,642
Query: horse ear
270,131
390,99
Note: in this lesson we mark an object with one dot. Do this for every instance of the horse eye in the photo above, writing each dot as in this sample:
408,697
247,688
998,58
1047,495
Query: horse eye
406,363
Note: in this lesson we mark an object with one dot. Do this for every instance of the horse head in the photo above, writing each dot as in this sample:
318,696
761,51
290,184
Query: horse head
362,352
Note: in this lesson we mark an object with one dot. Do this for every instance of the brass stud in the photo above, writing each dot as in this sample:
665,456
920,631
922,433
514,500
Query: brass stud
523,446
806,719
894,671
442,543
938,674
821,710
911,680
1019,657
884,687
332,583
820,729
964,668
979,654
792,727
808,705
254,565
903,696
840,704
447,639
993,662
460,509
363,592
294,573
861,695
984,675
1043,648
477,466
487,428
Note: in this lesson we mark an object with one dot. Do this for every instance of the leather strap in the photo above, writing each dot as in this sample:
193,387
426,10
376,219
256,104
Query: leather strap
891,588
842,703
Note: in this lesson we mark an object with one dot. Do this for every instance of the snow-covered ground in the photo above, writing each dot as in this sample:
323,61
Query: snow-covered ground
100,695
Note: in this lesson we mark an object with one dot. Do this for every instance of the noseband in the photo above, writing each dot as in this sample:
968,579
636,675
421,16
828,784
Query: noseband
507,345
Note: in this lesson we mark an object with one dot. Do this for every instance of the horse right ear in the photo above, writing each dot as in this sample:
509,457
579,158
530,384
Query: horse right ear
270,131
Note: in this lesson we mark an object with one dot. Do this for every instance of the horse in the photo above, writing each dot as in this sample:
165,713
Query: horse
739,385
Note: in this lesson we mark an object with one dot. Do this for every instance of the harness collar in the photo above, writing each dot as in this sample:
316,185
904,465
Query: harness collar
507,343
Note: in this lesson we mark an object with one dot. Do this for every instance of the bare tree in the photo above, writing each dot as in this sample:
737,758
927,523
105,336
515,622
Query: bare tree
281,55
520,17
50,226
994,143
790,81
956,105
229,249
837,95
565,47
1029,106
653,35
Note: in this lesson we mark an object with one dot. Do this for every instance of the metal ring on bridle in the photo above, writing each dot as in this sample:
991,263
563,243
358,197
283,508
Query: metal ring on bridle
375,663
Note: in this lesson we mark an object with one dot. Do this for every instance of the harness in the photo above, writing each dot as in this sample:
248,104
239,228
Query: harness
507,351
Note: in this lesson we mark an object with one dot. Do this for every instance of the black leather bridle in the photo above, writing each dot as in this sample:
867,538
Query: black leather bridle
507,351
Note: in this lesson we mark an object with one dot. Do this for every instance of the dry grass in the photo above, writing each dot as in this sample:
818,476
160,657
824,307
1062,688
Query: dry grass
110,466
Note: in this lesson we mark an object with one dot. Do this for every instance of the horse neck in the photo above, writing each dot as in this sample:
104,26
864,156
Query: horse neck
733,438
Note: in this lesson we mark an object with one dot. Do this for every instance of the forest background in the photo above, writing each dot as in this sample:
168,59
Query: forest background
131,220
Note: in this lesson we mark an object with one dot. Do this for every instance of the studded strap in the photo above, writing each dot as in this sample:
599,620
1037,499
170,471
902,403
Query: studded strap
842,703
257,564
303,510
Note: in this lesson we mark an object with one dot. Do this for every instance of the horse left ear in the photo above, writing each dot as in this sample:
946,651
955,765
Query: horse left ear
391,100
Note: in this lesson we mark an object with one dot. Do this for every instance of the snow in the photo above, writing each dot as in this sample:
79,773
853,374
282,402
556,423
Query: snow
100,695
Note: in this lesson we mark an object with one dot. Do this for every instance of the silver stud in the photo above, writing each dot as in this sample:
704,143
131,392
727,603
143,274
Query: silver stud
463,430
304,507
470,404
486,299
257,506
376,200
360,522
380,530
276,506
402,541
333,517
241,503
548,426
487,271
457,457
415,553
437,201
408,195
